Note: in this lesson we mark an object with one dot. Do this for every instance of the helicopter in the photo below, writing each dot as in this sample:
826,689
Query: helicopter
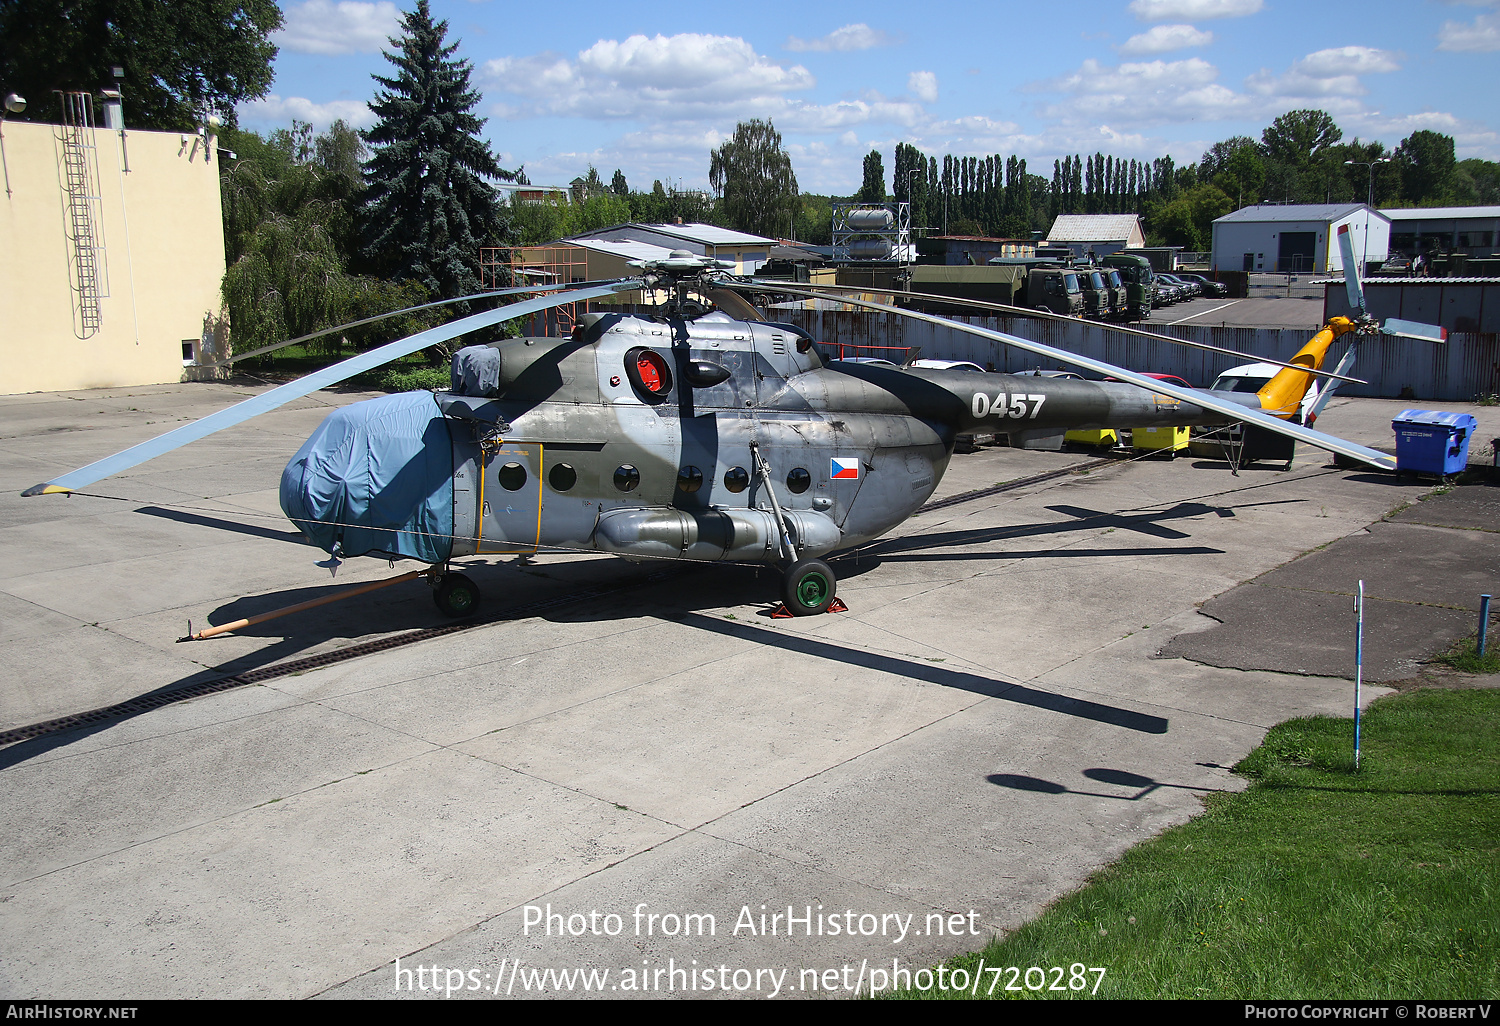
703,432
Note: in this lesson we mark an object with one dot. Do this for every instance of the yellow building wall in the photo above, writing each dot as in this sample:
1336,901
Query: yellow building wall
163,260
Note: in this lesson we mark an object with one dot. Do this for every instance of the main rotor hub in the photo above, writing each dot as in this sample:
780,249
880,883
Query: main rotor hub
679,272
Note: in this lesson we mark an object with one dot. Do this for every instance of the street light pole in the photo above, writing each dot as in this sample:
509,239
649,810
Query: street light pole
1369,203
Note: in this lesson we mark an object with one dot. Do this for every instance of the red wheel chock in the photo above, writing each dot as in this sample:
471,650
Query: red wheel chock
783,613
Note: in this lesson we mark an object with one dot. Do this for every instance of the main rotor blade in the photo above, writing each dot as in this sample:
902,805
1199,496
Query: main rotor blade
983,304
1352,284
1206,400
282,394
395,313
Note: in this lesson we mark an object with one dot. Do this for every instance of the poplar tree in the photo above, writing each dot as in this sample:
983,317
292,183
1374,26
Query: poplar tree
429,206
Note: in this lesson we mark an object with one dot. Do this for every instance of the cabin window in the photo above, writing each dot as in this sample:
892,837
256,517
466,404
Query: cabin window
512,477
562,477
736,479
689,480
798,480
627,478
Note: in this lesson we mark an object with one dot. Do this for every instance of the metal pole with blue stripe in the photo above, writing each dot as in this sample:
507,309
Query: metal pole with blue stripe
1359,662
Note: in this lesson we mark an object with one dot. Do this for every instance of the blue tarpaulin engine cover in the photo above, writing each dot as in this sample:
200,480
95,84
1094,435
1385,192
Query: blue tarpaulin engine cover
376,476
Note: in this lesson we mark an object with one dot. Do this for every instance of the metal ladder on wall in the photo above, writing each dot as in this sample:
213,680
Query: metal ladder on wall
80,168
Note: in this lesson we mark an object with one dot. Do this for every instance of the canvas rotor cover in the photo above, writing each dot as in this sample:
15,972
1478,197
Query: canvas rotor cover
376,476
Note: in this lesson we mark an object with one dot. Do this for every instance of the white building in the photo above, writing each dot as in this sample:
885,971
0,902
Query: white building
1297,237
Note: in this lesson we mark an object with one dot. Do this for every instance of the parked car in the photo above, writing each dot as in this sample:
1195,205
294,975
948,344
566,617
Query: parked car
1218,442
871,360
1189,288
1210,287
958,365
1039,373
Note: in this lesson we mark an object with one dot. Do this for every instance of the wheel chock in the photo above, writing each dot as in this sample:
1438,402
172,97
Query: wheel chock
781,612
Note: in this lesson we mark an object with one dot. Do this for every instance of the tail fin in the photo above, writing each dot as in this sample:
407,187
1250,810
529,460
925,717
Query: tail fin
1281,396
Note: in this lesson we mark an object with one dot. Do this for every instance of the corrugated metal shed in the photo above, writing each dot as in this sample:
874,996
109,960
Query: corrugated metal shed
1468,365
1458,304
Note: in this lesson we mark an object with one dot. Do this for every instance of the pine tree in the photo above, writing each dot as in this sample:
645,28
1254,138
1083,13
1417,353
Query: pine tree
429,208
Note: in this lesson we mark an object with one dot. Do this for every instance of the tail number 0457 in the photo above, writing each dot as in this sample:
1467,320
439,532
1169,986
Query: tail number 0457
1012,405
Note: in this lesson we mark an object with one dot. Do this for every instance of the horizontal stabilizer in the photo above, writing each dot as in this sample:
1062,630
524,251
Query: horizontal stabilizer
1414,329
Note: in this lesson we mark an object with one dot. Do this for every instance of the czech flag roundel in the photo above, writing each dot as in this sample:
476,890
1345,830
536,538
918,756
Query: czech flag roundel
845,470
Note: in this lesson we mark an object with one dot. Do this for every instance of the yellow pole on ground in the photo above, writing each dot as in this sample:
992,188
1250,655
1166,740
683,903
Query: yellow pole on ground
299,607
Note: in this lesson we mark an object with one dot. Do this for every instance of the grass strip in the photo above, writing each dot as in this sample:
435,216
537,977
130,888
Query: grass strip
1315,883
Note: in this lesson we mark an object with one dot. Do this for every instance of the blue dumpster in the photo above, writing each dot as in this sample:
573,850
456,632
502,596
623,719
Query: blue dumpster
1432,442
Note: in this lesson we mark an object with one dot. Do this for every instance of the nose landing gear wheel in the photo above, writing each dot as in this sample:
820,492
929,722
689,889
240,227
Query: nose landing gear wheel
457,596
808,587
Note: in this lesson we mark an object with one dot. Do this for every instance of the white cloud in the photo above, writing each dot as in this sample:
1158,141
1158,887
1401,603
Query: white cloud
923,85
278,112
680,77
1326,73
1144,93
325,27
1483,36
1347,60
682,80
1165,39
858,36
1193,10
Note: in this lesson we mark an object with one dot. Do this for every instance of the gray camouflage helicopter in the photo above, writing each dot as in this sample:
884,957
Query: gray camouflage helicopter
697,433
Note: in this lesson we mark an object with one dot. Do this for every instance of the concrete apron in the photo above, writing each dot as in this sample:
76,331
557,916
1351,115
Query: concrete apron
987,726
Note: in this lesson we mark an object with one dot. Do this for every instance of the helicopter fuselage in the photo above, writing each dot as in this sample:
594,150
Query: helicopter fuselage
574,451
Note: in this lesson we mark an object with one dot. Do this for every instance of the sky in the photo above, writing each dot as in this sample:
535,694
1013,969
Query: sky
652,89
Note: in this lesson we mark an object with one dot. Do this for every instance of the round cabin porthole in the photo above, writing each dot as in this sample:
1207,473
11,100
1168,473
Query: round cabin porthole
736,479
689,480
798,480
562,477
512,477
648,372
627,478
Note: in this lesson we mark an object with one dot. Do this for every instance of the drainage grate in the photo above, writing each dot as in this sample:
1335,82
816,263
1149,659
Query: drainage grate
146,703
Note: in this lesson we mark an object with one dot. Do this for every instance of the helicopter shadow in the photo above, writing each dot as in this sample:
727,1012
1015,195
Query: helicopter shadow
390,613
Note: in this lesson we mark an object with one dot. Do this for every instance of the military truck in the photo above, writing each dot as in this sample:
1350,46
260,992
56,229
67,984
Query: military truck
1014,283
1096,293
1139,279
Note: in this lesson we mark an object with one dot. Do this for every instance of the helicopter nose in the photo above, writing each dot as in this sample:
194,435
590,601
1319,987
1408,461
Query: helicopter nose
376,477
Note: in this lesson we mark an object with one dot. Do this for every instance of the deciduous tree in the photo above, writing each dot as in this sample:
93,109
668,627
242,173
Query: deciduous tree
1426,160
182,60
754,179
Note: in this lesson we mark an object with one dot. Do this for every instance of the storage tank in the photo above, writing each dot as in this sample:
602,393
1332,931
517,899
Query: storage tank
870,249
871,220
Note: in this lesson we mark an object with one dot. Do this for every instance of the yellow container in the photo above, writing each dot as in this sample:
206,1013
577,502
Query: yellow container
1100,437
1155,439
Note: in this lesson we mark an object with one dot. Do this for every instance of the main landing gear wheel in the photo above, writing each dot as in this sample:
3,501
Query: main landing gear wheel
808,587
456,596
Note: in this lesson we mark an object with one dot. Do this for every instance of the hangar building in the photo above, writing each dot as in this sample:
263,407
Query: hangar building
1297,236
